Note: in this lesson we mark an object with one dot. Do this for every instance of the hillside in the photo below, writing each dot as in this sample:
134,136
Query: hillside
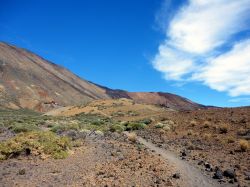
29,81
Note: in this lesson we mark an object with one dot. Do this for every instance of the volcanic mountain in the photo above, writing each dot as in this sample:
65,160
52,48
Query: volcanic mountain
29,81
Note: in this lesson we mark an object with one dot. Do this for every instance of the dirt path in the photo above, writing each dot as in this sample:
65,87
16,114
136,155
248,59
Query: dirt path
191,175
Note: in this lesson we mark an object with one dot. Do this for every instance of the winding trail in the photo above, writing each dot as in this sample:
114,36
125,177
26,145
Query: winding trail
191,175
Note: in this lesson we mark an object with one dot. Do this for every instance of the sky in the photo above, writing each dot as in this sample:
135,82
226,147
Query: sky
199,49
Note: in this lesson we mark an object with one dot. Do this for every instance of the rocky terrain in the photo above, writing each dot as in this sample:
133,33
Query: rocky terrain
121,143
214,140
99,154
29,81
100,161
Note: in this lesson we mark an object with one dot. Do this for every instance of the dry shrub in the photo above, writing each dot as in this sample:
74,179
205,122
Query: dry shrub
165,125
244,145
132,137
190,133
166,128
223,128
161,131
217,138
193,123
242,132
230,140
206,124
223,141
207,136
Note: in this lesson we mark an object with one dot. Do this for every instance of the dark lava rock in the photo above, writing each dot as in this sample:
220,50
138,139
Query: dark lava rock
207,165
218,174
247,174
237,166
209,169
200,162
230,173
22,172
222,180
183,153
157,181
176,176
72,134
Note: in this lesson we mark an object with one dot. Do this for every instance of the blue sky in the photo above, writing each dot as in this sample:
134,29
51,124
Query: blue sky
198,49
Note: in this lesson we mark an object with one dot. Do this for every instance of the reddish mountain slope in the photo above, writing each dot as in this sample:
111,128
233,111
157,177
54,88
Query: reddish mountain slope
29,81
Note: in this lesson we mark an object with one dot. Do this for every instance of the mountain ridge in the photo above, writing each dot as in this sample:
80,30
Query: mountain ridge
29,81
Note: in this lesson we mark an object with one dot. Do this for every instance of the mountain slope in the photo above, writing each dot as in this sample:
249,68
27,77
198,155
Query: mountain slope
29,81
155,98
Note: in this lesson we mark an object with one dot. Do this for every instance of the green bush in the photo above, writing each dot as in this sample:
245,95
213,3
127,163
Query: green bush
23,127
64,127
166,125
36,143
159,125
135,126
97,122
116,128
146,121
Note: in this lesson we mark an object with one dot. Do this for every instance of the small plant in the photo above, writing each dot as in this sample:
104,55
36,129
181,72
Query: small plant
206,124
165,125
135,126
244,145
132,137
64,127
223,129
23,127
190,133
97,122
146,121
242,132
230,140
207,136
166,128
116,128
193,123
36,143
159,125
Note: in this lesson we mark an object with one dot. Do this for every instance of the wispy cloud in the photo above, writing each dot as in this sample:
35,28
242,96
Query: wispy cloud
203,25
172,62
195,37
240,99
229,71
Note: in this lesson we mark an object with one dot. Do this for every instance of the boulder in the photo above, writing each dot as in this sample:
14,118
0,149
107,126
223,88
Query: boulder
176,176
218,174
230,173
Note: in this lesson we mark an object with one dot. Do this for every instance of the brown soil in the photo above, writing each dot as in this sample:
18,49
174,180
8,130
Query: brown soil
112,161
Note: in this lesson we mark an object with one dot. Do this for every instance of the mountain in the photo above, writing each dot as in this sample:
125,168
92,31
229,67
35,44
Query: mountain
155,98
29,81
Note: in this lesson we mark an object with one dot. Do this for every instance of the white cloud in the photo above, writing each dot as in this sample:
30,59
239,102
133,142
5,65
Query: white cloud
204,25
173,63
196,32
229,71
